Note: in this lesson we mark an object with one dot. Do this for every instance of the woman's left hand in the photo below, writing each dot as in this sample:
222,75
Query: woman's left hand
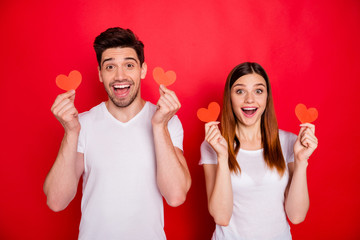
306,142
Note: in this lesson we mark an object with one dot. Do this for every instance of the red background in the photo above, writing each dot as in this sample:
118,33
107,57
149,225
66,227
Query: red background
310,50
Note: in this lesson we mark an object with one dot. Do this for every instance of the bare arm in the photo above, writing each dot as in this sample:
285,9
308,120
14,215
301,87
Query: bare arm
173,176
61,183
297,197
217,178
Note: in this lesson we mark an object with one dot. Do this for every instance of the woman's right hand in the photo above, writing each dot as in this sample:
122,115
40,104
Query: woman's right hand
216,140
65,112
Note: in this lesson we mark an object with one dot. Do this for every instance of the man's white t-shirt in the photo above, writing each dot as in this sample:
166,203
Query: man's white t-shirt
258,192
121,199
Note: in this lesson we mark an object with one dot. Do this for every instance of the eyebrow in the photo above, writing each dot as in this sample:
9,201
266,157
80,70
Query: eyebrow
243,85
110,59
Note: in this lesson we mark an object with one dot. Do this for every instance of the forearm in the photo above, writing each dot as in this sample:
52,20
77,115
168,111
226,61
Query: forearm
221,198
173,177
61,183
297,201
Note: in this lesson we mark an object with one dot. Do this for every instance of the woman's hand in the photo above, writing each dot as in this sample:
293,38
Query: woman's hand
306,142
216,140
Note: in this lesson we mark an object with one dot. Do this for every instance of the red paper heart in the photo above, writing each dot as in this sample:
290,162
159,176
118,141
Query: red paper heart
209,114
306,115
164,78
69,82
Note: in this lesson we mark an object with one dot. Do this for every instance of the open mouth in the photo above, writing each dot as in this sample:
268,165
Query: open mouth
121,90
249,111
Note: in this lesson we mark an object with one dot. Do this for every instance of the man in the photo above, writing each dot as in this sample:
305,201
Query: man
128,151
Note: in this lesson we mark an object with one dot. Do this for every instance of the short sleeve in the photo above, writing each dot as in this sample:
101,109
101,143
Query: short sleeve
176,132
81,140
287,140
208,155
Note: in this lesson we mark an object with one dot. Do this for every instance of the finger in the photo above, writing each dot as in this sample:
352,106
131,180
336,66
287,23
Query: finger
302,129
173,105
309,125
69,114
309,133
309,139
170,93
163,104
211,132
161,91
209,124
63,96
65,108
171,97
214,136
61,105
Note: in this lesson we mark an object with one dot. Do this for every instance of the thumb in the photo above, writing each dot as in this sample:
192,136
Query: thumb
72,97
162,90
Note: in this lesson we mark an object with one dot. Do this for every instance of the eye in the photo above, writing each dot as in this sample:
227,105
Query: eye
109,67
130,65
239,91
259,91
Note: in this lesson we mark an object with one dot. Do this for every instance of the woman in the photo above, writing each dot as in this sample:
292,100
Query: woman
255,173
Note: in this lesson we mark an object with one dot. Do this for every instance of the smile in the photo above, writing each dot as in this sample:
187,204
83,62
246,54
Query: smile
249,111
121,90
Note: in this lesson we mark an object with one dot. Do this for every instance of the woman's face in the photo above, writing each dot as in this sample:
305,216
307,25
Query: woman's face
248,98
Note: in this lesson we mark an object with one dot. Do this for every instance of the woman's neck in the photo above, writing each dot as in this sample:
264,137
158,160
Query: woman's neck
249,136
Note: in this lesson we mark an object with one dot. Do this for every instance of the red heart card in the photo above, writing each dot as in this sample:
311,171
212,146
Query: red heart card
306,115
69,82
162,77
209,114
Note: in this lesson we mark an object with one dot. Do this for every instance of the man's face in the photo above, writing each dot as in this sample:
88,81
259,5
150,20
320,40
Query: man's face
121,74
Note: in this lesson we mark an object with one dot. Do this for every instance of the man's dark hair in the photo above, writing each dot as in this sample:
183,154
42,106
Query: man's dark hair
118,37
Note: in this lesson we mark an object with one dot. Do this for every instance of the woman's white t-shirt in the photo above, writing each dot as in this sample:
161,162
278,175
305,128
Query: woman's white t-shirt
258,210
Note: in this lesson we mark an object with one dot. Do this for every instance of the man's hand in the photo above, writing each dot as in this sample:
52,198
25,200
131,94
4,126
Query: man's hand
65,112
167,105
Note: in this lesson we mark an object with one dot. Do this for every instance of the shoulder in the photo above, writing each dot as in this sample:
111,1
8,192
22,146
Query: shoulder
287,141
208,155
286,136
92,113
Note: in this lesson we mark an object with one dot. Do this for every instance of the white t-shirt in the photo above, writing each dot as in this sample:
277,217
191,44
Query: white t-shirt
258,210
121,199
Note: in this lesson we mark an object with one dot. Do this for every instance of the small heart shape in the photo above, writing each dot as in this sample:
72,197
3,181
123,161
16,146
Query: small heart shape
69,82
306,115
162,77
209,114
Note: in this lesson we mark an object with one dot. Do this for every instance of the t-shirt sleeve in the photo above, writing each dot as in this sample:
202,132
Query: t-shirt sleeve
208,155
176,132
288,140
81,140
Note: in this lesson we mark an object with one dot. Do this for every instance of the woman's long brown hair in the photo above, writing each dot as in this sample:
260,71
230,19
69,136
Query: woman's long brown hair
269,128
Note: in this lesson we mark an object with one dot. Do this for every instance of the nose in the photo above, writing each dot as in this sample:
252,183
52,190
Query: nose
249,98
120,74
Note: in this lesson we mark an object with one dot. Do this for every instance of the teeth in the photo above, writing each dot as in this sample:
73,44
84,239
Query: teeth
121,86
249,109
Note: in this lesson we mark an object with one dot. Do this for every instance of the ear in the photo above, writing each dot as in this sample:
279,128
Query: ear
100,78
143,70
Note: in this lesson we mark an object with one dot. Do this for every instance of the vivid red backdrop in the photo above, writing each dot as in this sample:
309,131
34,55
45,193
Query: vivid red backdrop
310,50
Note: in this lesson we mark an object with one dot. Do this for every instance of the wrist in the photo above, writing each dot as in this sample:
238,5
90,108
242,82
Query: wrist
301,164
72,132
223,159
159,126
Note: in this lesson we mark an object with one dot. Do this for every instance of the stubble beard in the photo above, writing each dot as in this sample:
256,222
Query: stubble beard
123,103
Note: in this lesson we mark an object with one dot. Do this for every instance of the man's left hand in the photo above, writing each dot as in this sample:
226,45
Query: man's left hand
167,105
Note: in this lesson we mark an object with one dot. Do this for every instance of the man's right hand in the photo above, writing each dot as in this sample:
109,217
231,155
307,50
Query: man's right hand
65,112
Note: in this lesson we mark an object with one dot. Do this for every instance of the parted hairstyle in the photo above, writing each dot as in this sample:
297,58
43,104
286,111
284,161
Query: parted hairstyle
118,37
269,128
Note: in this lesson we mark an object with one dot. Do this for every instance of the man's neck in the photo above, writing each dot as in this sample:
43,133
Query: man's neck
125,114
